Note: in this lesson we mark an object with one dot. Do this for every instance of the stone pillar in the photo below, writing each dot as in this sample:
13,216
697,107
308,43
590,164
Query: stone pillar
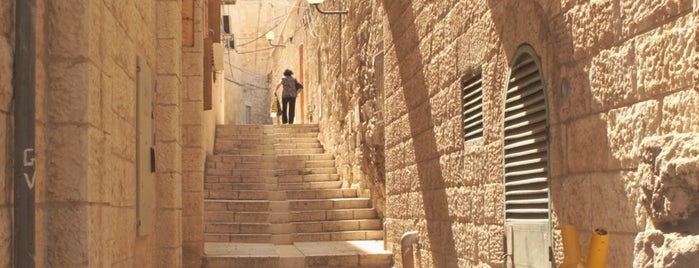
194,153
168,136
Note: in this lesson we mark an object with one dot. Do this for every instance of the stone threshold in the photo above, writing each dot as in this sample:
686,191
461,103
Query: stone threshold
365,253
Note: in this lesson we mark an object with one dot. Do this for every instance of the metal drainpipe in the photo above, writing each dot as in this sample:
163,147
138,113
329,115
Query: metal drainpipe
407,245
24,85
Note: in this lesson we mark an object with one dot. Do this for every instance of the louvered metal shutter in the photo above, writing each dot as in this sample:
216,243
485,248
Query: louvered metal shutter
472,112
526,144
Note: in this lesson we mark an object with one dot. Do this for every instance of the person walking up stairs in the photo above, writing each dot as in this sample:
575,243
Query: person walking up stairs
274,199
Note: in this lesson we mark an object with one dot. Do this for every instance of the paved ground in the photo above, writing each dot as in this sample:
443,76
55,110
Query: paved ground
366,253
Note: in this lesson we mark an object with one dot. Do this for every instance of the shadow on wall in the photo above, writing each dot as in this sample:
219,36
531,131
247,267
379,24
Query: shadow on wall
415,90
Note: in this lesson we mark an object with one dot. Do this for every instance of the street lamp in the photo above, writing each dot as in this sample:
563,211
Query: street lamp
270,36
318,2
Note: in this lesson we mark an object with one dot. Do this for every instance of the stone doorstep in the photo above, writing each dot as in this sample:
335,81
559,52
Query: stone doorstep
301,254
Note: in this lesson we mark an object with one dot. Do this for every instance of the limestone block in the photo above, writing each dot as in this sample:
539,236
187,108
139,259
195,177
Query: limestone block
67,236
193,159
195,87
168,157
120,186
460,203
665,58
493,196
465,240
167,122
191,135
669,179
193,203
6,72
571,201
588,147
169,231
627,126
398,107
194,228
74,94
67,166
640,16
653,248
121,139
592,27
168,12
192,254
192,112
169,257
613,77
613,206
169,56
69,29
169,190
167,90
97,147
620,252
193,64
681,112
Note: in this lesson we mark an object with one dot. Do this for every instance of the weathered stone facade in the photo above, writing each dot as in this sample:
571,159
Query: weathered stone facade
90,58
615,74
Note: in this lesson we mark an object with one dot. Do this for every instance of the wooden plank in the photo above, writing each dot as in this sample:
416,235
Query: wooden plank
215,20
208,83
188,23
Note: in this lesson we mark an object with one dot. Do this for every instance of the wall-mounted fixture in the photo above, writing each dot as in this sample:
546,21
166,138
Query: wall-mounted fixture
316,3
270,37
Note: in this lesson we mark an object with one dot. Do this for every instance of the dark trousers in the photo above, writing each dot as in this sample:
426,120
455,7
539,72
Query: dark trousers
288,107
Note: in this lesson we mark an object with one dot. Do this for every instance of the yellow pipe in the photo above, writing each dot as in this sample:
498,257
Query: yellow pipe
597,256
572,256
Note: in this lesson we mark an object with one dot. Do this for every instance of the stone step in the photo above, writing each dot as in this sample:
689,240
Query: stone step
336,226
306,171
243,217
239,179
259,184
339,236
333,214
241,172
325,204
291,205
294,237
236,205
292,217
237,228
308,178
367,254
265,194
222,149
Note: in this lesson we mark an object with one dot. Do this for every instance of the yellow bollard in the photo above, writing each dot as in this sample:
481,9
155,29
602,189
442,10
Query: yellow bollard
597,256
572,256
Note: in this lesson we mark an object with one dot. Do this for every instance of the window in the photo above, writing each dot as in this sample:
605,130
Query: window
472,108
526,146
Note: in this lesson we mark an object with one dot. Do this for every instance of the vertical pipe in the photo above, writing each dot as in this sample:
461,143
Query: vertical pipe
597,255
24,85
303,110
571,247
407,242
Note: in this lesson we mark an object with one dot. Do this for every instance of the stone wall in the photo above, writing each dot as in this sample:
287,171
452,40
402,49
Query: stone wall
6,186
616,73
86,72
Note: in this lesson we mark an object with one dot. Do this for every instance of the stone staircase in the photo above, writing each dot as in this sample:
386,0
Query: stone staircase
273,199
